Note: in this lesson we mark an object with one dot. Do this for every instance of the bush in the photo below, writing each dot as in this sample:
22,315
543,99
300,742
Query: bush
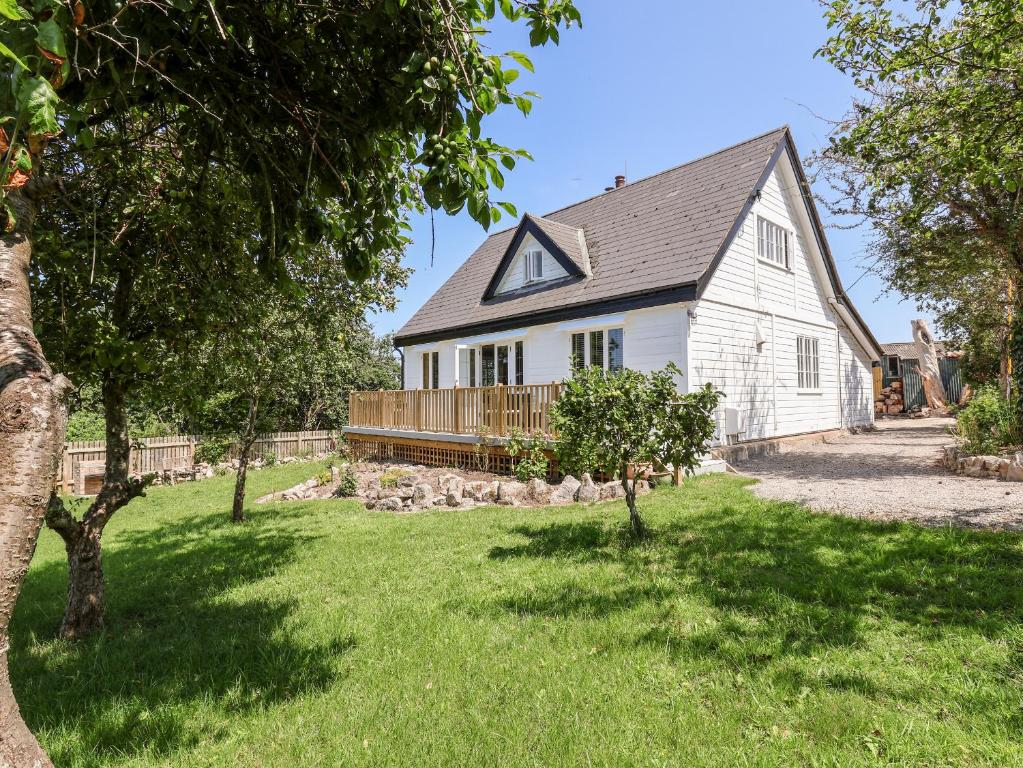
989,423
534,462
212,450
349,485
269,458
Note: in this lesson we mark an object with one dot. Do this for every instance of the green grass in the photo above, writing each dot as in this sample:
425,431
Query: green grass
745,632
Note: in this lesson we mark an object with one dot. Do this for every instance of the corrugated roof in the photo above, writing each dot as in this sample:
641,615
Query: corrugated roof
907,349
653,234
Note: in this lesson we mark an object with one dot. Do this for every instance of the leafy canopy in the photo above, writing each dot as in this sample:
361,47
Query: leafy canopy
375,106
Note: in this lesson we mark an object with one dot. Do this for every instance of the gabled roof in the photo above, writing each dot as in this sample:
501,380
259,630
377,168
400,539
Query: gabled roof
651,242
566,244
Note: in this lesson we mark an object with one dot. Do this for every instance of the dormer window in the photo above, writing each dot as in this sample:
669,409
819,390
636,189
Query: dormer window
534,266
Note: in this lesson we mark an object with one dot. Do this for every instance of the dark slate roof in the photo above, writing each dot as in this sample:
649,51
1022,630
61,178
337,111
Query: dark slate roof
571,240
907,349
651,237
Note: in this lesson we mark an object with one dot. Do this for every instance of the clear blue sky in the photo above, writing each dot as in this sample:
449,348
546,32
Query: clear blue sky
646,85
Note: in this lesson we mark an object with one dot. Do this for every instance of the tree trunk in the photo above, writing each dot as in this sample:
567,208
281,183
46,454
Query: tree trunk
33,422
930,372
248,438
238,507
85,609
638,529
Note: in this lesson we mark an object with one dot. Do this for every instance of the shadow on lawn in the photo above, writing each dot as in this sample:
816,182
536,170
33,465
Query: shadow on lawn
783,581
175,637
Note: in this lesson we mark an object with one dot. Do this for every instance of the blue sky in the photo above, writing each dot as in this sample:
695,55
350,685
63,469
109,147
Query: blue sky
646,85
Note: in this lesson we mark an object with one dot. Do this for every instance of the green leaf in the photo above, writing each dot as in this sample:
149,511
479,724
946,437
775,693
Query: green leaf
50,38
521,59
38,101
5,51
11,10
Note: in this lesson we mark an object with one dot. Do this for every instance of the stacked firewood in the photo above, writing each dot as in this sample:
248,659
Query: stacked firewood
890,400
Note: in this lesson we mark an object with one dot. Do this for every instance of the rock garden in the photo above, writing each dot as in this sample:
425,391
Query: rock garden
407,488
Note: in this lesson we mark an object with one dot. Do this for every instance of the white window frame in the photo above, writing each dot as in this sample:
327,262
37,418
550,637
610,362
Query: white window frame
605,347
534,265
808,364
787,243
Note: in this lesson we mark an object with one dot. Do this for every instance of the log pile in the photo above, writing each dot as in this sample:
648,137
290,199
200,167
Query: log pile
890,401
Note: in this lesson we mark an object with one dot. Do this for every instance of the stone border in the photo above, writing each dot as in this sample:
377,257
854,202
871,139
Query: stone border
1007,468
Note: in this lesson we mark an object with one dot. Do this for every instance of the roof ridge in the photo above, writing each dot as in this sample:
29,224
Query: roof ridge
707,156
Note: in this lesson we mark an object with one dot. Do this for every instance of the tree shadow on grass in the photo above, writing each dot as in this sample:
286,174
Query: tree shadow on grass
783,581
176,641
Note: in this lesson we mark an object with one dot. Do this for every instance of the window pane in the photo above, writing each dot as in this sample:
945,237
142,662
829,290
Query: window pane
502,364
537,264
435,378
472,367
615,349
487,360
520,372
597,349
577,352
426,370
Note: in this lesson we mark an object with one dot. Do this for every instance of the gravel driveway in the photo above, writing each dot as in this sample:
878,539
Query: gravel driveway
888,474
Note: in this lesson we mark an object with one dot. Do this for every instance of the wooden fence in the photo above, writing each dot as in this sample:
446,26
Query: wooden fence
160,454
458,410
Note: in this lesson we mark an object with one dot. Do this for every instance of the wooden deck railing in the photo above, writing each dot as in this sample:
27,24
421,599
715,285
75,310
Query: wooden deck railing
459,410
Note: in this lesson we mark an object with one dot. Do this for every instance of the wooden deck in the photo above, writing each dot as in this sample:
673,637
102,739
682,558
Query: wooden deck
459,427
481,411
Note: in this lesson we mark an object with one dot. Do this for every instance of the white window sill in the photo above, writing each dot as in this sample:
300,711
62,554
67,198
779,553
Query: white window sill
775,265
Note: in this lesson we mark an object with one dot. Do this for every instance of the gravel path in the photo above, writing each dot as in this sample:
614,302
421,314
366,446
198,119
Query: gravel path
892,473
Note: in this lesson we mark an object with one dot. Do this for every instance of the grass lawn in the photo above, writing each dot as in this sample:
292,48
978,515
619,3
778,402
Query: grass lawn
745,632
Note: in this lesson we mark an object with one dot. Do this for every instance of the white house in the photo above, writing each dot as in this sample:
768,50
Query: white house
720,265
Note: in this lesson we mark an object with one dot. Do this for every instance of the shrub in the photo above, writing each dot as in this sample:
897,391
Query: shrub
212,450
611,421
349,485
390,479
989,423
269,458
534,462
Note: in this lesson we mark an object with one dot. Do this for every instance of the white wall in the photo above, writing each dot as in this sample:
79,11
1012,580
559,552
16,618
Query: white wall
652,338
762,380
515,277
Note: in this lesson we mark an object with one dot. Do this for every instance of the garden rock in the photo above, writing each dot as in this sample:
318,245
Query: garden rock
422,495
390,504
454,499
476,490
510,492
537,491
451,485
588,491
1014,471
408,481
642,486
612,490
565,493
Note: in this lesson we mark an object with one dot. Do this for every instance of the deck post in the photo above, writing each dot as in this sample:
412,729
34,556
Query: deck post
418,409
501,406
458,412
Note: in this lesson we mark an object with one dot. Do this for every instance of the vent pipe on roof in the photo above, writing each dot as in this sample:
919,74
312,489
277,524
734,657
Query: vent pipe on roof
619,181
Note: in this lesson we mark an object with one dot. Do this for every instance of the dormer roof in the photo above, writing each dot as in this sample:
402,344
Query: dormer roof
567,244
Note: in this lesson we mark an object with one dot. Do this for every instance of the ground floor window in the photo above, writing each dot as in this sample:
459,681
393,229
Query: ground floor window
892,363
808,362
601,349
431,370
496,364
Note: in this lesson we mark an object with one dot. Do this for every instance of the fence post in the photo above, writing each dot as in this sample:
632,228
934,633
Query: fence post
418,409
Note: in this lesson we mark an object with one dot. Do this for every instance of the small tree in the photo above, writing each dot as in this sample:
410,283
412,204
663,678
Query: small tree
614,422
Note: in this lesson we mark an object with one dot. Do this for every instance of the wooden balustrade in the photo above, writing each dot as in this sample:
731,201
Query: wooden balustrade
459,410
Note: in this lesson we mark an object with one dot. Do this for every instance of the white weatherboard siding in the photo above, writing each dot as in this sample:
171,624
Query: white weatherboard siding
515,277
652,338
750,300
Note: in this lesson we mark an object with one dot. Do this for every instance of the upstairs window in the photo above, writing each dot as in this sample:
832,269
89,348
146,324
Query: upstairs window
808,365
774,243
534,266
